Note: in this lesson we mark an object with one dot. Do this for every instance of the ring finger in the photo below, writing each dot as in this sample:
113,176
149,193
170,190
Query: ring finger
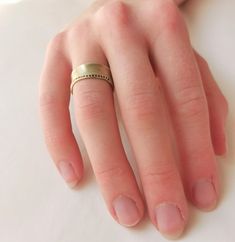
96,120
187,100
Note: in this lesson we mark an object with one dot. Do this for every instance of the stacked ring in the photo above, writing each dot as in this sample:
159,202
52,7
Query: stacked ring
91,71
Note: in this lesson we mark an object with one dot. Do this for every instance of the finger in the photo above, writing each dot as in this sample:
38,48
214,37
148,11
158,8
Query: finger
176,64
144,118
96,119
218,107
54,109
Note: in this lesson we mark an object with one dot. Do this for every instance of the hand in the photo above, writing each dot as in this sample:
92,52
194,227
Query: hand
161,85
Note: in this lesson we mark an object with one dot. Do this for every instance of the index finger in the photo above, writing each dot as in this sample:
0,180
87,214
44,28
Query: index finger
54,96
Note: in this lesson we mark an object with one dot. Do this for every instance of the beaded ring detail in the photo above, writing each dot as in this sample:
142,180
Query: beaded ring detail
91,71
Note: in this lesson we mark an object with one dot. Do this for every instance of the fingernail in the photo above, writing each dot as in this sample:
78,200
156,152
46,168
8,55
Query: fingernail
126,211
68,173
204,195
169,220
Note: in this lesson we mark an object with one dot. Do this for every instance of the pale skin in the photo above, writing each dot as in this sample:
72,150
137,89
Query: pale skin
161,85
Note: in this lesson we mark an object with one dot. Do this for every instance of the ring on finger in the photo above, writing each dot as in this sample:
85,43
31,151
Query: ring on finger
91,71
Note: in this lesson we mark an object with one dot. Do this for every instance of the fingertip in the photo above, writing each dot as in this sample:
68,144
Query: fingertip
73,184
222,150
71,173
170,220
127,211
205,195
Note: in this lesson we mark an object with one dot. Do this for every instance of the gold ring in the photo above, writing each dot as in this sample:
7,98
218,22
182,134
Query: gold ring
91,71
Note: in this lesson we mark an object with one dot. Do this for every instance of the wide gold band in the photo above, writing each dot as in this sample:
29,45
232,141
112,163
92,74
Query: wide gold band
91,71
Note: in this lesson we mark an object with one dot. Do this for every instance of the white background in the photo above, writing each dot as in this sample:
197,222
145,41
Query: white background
35,204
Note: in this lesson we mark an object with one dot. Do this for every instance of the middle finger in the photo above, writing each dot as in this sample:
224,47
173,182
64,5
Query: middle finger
143,115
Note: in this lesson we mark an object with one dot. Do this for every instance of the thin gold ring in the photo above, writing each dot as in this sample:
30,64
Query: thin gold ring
91,71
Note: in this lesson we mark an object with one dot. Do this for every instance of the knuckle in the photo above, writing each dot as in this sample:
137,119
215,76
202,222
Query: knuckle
54,140
192,107
79,30
204,152
56,44
48,100
162,174
106,173
167,14
141,104
114,13
190,102
90,103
